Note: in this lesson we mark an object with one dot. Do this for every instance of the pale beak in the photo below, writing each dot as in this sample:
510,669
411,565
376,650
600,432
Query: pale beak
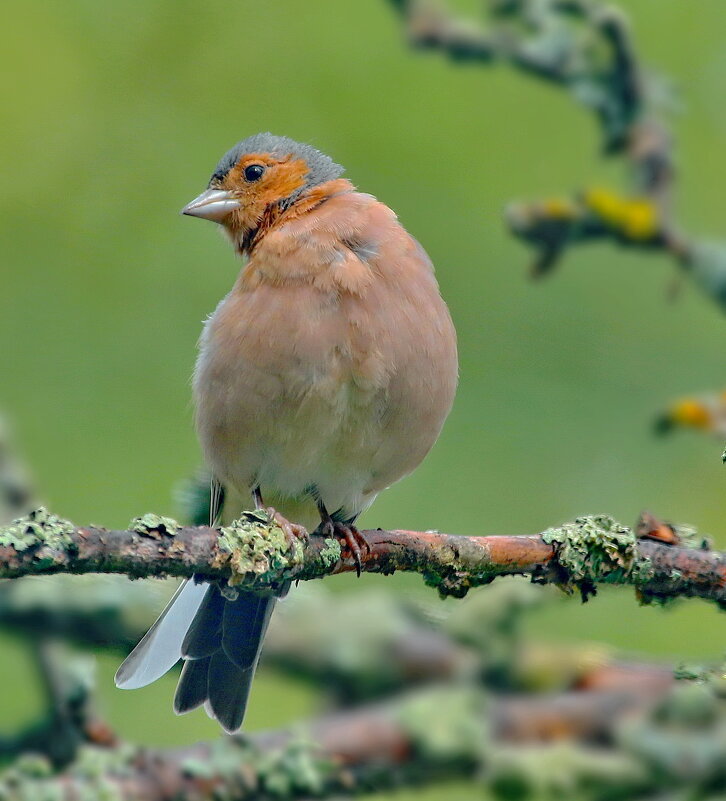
213,204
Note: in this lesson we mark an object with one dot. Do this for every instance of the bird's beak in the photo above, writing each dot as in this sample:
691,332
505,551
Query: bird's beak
212,204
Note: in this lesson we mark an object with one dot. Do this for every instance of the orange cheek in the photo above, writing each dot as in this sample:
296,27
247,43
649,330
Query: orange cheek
280,180
283,181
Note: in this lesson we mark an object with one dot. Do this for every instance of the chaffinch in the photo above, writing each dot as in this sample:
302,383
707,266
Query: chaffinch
323,377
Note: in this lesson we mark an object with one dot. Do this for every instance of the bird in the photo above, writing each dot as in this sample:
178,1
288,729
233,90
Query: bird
324,376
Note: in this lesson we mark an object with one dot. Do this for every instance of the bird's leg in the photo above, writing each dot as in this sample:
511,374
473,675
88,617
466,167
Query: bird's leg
293,531
257,498
346,533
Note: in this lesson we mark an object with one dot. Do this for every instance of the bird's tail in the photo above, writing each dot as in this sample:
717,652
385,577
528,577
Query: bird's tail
219,637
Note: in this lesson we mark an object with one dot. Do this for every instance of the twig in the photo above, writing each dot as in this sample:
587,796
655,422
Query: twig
254,552
585,47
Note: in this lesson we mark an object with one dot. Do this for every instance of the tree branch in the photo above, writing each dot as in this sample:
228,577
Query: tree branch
586,48
255,553
501,742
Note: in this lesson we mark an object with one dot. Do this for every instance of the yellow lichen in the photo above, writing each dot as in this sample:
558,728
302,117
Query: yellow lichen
640,219
635,218
559,208
690,412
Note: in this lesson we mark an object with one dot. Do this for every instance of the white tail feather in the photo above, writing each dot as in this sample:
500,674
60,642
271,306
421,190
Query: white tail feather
160,648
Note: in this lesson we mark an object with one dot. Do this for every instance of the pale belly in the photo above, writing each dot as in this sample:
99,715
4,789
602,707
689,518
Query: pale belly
309,395
324,445
313,433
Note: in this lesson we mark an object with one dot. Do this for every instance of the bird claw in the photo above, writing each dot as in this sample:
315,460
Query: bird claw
293,532
350,538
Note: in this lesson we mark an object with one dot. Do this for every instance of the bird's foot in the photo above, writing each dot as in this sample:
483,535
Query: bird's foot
349,537
293,532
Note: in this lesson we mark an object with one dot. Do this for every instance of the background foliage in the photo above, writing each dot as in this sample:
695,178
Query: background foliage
115,115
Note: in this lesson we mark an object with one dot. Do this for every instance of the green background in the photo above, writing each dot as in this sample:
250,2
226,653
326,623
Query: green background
114,116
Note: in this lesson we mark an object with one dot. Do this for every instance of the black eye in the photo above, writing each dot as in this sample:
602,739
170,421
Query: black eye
254,172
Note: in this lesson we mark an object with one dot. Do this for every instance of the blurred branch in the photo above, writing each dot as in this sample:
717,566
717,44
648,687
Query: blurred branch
603,741
90,611
585,47
70,720
705,412
397,644
255,552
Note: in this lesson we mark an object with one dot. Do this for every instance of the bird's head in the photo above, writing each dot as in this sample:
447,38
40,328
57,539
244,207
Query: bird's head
257,179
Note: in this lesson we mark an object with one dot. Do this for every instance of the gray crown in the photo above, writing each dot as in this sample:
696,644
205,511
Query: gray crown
321,167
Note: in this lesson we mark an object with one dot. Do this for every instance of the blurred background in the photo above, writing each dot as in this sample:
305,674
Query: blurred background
115,115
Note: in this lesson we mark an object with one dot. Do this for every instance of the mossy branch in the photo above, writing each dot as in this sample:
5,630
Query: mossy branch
255,553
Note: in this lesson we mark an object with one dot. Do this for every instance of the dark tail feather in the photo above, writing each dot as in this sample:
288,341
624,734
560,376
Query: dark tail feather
205,633
244,626
229,688
221,649
191,691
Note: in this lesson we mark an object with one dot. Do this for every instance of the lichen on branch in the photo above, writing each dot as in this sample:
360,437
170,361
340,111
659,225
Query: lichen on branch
153,525
596,549
38,529
255,553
